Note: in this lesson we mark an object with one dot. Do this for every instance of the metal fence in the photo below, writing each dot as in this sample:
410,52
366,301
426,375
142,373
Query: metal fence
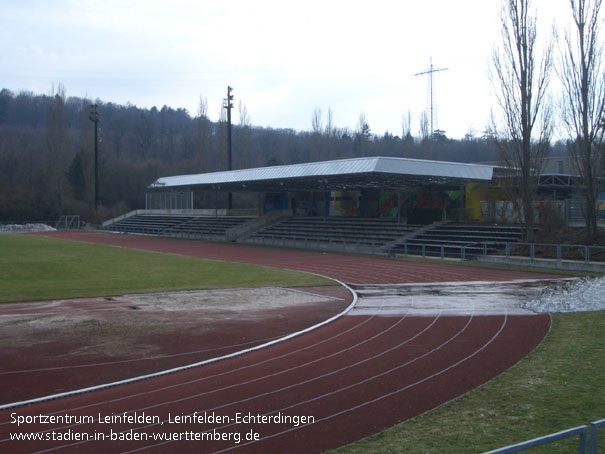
181,200
581,432
559,252
533,251
322,244
594,435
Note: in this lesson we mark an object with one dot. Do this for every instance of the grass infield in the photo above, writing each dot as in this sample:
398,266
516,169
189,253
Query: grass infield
34,269
558,386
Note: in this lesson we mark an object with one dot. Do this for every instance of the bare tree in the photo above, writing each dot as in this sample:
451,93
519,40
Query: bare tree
406,125
316,120
582,74
521,82
244,116
203,133
86,146
244,137
424,126
330,128
363,134
56,140
202,110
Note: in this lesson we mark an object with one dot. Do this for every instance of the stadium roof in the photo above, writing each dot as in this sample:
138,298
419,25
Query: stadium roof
345,174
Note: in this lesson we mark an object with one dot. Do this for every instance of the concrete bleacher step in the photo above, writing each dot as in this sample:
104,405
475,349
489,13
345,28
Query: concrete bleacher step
290,230
338,233
147,223
450,239
466,239
352,233
176,225
210,225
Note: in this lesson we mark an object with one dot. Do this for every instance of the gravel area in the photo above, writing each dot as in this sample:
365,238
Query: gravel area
25,228
579,295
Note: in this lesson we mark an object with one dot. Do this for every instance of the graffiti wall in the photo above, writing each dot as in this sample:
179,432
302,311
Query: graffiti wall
411,200
344,203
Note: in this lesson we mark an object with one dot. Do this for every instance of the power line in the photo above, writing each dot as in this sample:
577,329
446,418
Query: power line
433,116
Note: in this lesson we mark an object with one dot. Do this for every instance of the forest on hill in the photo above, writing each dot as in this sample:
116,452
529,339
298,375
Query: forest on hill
47,151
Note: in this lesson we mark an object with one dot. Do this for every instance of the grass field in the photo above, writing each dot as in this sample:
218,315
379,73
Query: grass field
558,386
34,268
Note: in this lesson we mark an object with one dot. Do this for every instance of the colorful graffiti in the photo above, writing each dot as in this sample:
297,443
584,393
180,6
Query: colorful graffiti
344,203
416,199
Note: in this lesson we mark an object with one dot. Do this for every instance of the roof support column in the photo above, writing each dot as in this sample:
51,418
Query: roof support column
398,206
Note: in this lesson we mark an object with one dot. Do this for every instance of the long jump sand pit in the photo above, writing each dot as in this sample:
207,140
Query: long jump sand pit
56,346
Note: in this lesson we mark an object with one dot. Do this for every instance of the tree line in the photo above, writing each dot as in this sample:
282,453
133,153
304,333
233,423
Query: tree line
47,151
46,143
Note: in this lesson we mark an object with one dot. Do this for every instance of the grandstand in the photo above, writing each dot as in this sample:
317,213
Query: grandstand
459,240
377,205
180,226
147,224
360,234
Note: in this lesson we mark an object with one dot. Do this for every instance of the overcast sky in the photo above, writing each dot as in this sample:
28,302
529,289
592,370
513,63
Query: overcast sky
283,58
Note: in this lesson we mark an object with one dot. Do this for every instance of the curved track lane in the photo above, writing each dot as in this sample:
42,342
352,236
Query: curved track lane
354,377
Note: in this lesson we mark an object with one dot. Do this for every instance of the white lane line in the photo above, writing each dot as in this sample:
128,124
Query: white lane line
189,366
190,382
384,396
235,385
153,358
325,375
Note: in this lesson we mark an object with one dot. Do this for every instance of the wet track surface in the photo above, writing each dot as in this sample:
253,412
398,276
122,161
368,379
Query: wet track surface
383,363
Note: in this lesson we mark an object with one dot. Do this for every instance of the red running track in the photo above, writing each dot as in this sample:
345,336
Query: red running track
354,377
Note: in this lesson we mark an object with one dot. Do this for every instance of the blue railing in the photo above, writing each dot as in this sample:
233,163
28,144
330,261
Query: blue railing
594,435
581,432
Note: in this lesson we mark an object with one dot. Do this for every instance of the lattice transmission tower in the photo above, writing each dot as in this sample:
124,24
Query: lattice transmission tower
431,96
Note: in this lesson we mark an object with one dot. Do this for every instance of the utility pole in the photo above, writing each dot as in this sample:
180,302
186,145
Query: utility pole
430,72
228,104
94,117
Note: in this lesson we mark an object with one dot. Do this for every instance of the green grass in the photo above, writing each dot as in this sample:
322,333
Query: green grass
558,386
34,269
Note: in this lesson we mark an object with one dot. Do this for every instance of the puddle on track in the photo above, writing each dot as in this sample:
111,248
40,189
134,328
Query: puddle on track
450,298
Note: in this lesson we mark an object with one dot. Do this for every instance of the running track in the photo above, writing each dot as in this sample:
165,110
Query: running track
355,376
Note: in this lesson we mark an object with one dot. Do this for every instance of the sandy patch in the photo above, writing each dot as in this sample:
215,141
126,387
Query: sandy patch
112,319
54,346
232,300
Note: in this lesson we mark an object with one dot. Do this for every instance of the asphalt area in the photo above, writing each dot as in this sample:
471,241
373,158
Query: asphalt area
403,350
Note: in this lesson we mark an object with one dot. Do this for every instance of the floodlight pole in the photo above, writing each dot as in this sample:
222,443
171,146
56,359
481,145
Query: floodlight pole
228,104
94,117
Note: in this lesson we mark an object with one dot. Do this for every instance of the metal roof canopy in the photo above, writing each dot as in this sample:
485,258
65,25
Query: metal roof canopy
344,174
